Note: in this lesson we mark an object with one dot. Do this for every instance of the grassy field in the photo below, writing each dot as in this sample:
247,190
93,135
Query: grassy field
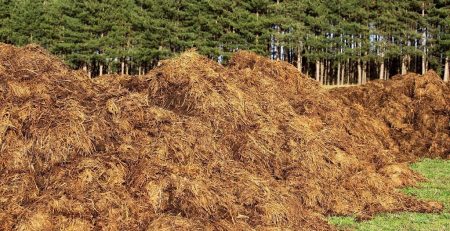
438,189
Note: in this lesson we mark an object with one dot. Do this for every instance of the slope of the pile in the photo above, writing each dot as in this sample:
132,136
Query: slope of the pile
192,145
415,108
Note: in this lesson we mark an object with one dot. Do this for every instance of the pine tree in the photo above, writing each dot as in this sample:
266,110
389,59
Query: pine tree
258,25
66,32
157,29
5,30
295,28
318,39
25,21
439,23
384,23
342,41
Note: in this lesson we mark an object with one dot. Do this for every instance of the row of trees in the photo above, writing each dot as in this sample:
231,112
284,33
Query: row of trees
335,41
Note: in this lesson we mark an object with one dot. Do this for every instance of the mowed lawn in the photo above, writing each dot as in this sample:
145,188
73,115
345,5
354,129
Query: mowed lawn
437,189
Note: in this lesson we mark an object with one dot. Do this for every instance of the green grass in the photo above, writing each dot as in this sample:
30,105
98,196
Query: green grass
436,189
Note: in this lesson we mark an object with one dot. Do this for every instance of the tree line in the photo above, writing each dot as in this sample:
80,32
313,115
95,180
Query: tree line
334,41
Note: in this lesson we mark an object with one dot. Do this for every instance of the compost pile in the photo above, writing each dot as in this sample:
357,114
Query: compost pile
415,108
192,145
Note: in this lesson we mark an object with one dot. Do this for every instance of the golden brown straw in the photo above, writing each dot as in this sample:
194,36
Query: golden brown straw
195,145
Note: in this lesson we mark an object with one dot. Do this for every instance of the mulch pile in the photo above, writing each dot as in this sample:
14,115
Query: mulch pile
415,108
195,145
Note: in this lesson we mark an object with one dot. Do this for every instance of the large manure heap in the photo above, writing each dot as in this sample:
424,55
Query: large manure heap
195,145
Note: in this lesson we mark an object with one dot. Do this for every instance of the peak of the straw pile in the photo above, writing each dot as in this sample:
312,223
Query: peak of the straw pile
193,145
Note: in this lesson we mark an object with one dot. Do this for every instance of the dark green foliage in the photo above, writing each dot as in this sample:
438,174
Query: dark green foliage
139,33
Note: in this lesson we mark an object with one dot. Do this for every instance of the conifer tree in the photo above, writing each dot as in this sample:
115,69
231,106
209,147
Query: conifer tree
339,41
24,22
5,32
439,23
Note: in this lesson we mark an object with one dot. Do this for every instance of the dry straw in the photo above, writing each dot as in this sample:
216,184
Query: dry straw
195,145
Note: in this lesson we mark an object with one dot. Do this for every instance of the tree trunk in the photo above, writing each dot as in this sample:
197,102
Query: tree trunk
278,51
328,73
343,75
359,72
424,62
424,44
348,71
127,69
339,74
140,71
318,71
87,70
122,68
100,62
277,43
322,72
364,72
382,71
299,58
447,69
307,68
405,64
386,74
100,69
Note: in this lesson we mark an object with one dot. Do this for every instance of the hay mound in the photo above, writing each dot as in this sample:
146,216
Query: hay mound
415,108
192,145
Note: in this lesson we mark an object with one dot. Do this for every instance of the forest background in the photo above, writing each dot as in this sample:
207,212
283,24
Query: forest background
334,41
